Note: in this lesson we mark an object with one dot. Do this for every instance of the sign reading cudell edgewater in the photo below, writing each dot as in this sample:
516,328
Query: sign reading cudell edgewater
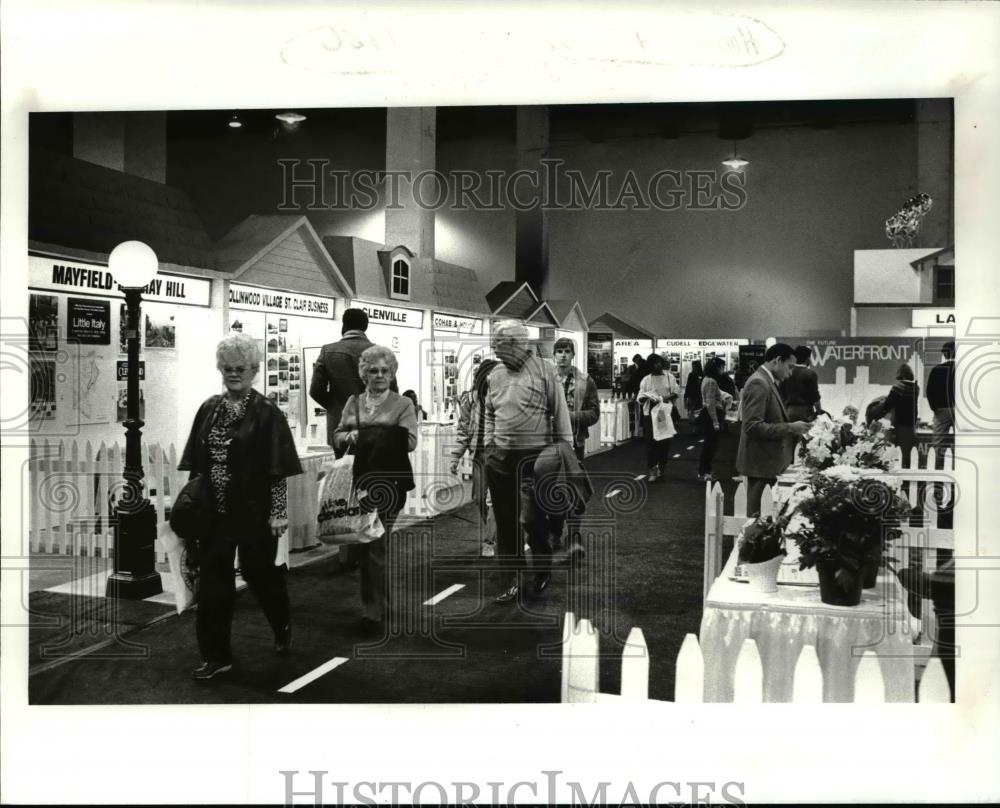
381,314
61,275
276,301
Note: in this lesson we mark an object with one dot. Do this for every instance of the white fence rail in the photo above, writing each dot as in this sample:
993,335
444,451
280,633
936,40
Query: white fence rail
581,672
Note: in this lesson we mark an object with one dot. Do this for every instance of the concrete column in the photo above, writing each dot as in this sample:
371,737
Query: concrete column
532,230
99,137
131,142
410,143
935,170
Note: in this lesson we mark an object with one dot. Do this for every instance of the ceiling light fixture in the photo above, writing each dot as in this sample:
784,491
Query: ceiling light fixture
735,163
290,118
235,122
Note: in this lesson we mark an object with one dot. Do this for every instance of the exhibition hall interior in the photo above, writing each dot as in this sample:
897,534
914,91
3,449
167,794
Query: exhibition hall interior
661,401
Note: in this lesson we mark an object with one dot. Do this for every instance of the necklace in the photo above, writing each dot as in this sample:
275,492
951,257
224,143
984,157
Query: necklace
374,401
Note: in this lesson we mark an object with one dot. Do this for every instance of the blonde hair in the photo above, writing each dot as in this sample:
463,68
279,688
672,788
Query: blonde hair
237,347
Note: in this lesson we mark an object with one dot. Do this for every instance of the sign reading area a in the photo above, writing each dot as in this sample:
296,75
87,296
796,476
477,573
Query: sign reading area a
277,301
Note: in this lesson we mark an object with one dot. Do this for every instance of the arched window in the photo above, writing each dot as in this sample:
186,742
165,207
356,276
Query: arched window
400,278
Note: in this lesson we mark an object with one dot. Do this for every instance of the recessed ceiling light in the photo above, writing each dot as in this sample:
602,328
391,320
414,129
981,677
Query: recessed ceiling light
736,163
290,117
235,122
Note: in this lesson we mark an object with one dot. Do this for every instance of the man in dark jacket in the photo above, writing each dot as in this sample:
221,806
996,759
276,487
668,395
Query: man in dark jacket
941,397
800,391
335,375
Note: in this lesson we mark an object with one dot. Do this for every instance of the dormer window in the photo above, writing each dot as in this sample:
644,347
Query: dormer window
400,278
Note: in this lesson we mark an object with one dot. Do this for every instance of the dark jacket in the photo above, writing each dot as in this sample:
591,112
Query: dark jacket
692,391
557,465
941,386
382,466
801,388
901,403
335,377
262,451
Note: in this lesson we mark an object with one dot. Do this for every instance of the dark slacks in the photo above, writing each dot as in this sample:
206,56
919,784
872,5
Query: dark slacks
217,586
558,522
755,489
657,451
710,440
371,564
509,474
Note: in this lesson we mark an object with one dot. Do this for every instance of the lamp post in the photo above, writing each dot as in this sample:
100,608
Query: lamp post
133,265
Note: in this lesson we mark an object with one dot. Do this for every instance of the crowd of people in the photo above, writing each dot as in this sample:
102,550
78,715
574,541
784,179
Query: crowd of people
524,423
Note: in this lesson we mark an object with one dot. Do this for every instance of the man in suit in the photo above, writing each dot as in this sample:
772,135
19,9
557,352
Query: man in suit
335,376
800,391
767,437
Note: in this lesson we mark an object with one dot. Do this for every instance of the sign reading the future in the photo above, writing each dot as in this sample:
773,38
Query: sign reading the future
277,301
457,324
96,279
379,314
881,355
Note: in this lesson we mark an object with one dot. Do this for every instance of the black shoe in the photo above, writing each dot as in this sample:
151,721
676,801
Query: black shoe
283,640
208,670
507,596
542,581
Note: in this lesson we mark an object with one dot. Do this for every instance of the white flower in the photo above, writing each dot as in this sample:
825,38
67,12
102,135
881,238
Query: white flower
842,472
798,522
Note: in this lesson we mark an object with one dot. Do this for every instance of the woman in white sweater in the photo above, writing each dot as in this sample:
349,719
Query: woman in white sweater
656,388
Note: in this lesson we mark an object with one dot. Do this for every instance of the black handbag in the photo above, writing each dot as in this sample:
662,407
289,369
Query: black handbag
192,509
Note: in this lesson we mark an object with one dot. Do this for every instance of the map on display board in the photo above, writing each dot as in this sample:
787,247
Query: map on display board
283,369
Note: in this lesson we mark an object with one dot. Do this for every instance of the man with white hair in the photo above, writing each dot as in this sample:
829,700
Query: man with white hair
525,411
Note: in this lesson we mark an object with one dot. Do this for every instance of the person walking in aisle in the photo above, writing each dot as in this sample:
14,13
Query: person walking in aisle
584,411
800,391
767,436
692,392
380,427
470,436
941,397
712,418
658,387
240,441
525,412
335,376
901,405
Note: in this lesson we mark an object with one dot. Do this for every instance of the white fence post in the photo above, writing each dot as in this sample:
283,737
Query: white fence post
807,687
635,667
748,681
689,676
869,686
933,688
582,664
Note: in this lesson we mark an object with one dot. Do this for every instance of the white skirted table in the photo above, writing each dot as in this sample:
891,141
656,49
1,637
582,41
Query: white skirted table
783,622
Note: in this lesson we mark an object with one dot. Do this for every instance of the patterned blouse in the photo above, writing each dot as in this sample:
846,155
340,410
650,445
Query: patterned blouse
227,418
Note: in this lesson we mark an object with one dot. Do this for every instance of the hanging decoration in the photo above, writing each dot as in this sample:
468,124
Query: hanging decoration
902,228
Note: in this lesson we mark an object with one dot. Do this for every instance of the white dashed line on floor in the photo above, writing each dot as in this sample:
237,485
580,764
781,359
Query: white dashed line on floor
689,448
613,493
451,590
676,456
643,476
313,675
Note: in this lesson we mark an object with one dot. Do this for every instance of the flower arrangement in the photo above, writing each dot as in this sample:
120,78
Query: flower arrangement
843,516
761,540
846,443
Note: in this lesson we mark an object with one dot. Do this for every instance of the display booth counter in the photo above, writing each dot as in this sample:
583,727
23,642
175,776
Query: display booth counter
680,354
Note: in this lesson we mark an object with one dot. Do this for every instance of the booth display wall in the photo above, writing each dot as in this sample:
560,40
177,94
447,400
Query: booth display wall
82,380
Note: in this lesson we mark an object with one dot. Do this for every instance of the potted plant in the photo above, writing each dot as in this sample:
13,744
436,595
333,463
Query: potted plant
761,548
841,520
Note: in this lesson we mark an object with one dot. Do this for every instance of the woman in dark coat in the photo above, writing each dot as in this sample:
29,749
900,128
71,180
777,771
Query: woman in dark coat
380,428
901,405
692,390
242,443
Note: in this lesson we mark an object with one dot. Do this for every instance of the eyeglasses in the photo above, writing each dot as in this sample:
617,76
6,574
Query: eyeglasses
238,369
379,372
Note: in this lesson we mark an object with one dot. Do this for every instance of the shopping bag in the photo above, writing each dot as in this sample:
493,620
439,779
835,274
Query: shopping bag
177,582
340,518
663,424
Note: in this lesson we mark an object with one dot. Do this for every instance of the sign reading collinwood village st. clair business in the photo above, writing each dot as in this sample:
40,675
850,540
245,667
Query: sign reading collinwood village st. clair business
279,301
78,277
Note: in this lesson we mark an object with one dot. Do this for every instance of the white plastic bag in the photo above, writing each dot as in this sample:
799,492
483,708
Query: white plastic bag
663,424
174,548
340,519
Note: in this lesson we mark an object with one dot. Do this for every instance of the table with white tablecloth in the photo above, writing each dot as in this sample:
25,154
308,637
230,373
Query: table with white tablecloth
784,622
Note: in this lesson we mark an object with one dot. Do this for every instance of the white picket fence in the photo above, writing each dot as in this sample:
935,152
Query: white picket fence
72,491
581,672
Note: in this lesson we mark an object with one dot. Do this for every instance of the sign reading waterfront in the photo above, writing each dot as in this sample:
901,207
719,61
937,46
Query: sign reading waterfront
881,355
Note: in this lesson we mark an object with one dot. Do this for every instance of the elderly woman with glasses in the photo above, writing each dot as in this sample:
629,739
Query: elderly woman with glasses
380,427
241,443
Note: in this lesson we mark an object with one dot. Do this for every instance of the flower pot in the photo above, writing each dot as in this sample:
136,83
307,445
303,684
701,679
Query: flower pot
763,577
830,589
869,574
